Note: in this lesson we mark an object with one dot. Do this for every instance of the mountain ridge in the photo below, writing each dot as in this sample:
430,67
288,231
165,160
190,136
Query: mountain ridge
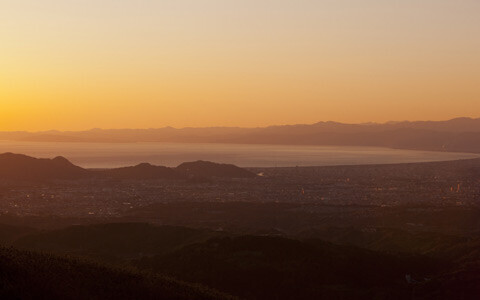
455,135
23,167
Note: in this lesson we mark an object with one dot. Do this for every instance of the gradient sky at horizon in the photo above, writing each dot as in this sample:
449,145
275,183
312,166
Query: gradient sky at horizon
79,64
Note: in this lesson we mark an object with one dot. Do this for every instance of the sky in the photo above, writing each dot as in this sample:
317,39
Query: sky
81,64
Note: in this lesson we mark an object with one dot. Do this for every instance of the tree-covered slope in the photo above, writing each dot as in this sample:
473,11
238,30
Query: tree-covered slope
29,275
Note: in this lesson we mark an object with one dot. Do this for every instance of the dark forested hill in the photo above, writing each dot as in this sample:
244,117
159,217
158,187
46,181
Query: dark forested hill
257,267
28,275
22,167
115,241
249,266
142,171
210,169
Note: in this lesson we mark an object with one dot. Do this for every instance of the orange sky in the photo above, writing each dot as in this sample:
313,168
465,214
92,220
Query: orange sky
73,65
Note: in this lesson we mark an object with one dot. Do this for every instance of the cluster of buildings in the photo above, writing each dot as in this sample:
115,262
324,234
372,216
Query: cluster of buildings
326,185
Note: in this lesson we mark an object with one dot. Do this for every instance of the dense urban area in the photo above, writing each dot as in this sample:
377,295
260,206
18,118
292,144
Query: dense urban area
213,231
428,184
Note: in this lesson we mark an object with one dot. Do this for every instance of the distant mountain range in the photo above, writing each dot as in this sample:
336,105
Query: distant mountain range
456,135
22,167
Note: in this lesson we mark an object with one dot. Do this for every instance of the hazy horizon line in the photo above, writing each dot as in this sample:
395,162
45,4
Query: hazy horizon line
244,127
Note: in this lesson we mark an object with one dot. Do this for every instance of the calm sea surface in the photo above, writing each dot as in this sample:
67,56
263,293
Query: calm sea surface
106,155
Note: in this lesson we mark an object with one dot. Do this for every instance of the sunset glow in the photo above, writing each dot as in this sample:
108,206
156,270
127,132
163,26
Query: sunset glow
73,65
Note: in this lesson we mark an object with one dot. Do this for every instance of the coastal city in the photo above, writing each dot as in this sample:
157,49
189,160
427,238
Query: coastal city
432,184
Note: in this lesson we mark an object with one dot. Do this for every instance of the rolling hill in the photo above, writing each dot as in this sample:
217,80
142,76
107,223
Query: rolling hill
209,169
30,275
22,167
26,168
144,171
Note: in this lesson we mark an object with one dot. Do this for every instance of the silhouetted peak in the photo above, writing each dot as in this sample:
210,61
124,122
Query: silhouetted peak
142,171
61,160
144,165
10,155
211,169
463,119
23,167
198,163
7,154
